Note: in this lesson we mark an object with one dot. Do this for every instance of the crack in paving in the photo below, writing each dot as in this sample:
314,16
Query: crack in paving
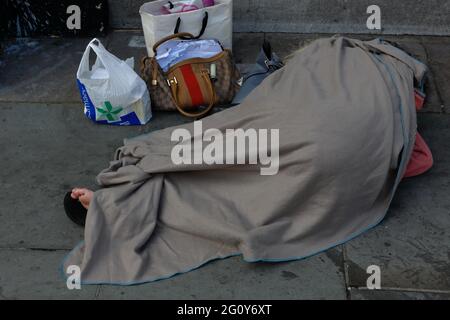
394,289
346,274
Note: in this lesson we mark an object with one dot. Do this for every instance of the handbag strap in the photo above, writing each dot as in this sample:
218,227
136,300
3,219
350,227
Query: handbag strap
195,114
267,62
180,35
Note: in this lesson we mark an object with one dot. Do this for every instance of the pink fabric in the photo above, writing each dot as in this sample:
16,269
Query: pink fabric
420,99
422,158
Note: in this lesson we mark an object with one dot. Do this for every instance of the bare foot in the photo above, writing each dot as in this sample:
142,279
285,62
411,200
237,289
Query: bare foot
82,195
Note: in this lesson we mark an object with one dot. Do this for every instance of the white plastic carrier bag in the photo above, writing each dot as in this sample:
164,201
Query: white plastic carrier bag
112,92
210,22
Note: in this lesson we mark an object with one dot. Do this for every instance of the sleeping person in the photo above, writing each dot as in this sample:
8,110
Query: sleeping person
345,114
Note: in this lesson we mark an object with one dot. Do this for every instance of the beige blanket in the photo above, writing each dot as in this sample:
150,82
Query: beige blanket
347,123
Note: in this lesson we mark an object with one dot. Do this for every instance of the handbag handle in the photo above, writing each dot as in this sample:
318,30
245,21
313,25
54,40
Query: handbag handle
201,113
202,30
181,35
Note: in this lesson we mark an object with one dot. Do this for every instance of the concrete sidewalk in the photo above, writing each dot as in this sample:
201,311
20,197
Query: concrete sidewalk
49,146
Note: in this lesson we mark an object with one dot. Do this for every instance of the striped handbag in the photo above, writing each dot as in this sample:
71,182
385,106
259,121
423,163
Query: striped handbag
193,86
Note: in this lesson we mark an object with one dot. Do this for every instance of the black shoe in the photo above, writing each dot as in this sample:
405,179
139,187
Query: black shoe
75,210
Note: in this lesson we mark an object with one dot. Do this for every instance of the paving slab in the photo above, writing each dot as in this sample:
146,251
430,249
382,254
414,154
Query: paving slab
246,46
284,44
439,59
412,244
29,274
356,294
319,277
48,149
41,70
127,44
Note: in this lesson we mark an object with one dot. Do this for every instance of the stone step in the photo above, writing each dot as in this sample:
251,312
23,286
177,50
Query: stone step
415,17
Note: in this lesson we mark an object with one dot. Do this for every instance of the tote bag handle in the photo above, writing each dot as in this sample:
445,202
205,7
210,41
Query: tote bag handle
202,30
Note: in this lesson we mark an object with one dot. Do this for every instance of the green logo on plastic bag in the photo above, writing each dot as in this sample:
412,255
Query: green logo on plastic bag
108,112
